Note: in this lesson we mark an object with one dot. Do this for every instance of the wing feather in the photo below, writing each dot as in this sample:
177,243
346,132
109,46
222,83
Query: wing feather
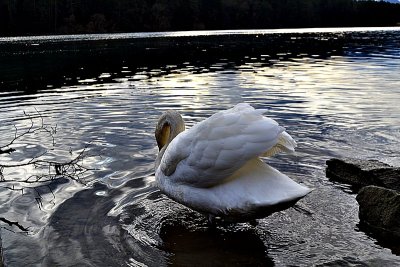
215,148
285,144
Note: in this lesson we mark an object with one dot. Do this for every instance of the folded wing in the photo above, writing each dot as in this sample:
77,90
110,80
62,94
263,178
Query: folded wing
212,150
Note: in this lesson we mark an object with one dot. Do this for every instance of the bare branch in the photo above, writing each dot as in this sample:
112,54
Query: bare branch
72,169
46,171
31,130
49,170
11,223
7,151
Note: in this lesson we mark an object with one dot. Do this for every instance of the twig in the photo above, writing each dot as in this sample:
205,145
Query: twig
72,169
48,170
7,151
11,223
31,130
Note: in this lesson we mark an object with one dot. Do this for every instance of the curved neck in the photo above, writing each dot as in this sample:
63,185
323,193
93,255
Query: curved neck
169,125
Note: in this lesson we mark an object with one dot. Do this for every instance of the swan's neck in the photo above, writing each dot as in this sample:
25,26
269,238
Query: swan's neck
168,127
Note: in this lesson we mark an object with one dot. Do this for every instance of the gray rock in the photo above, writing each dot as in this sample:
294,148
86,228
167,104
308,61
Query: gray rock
380,211
361,173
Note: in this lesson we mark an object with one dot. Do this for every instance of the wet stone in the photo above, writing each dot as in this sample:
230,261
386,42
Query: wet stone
360,173
380,211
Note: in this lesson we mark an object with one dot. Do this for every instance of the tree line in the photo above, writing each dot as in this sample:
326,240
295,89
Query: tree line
31,17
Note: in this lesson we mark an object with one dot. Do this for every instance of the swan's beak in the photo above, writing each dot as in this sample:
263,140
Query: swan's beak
162,136
159,144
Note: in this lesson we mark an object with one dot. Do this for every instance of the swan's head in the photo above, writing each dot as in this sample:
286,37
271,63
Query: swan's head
169,125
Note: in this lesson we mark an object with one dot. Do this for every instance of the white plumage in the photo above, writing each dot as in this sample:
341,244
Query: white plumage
214,167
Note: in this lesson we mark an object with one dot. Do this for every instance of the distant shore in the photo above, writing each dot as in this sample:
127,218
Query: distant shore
40,17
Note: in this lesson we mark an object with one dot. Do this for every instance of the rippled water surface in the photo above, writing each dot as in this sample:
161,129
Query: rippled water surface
337,92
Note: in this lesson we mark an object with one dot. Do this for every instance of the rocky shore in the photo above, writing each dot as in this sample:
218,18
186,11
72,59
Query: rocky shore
378,187
360,173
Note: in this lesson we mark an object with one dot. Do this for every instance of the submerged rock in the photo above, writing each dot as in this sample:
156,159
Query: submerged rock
361,173
380,211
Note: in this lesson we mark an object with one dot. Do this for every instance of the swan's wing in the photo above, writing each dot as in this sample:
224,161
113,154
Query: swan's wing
285,144
254,191
215,148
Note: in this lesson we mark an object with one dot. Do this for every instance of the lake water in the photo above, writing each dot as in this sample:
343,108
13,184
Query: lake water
337,92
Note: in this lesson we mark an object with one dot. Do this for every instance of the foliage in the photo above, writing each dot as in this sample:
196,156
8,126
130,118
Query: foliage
25,17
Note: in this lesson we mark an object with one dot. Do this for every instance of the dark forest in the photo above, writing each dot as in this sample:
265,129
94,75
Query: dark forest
33,17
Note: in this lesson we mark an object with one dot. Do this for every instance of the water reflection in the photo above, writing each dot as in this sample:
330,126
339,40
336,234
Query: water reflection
212,246
55,65
336,94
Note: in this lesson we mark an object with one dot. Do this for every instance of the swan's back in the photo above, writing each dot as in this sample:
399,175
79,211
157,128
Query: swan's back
215,148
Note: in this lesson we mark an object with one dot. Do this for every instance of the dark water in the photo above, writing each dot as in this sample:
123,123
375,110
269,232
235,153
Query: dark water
337,92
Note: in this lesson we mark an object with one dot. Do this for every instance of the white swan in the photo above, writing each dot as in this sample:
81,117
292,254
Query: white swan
214,167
